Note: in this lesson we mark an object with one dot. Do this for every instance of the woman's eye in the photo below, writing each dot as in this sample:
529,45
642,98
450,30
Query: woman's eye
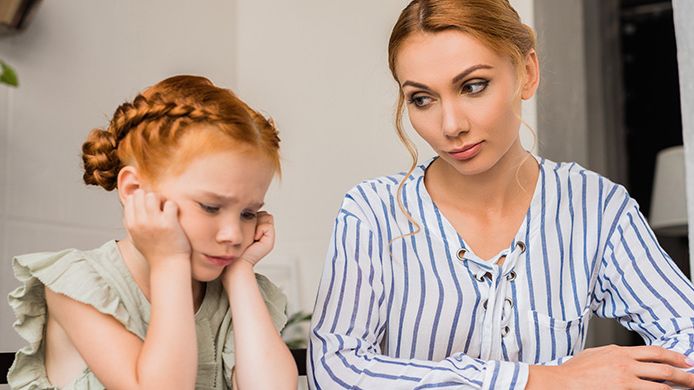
248,215
209,208
475,87
419,100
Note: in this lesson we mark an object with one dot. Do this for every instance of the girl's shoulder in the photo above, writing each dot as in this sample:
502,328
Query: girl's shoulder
94,277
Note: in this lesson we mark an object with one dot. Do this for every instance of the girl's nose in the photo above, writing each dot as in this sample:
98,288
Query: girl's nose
230,233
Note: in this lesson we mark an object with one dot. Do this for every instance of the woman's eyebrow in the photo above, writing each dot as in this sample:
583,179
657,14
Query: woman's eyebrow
455,80
469,70
416,85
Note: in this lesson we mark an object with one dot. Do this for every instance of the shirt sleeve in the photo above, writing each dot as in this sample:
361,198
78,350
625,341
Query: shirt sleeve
348,327
640,285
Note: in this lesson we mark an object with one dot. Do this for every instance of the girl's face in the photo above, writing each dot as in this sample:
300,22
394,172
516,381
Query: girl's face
462,98
219,196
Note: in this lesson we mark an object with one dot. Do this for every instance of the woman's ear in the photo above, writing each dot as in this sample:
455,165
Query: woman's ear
128,182
532,75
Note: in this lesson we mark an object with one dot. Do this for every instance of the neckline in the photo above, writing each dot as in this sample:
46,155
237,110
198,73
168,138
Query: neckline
520,232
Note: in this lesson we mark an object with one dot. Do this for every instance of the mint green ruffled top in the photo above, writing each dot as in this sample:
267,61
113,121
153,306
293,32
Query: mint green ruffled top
100,278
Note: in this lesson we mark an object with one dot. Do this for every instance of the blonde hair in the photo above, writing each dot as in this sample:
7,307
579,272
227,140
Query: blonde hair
493,22
148,131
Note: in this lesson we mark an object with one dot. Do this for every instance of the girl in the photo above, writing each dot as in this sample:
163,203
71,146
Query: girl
176,303
482,267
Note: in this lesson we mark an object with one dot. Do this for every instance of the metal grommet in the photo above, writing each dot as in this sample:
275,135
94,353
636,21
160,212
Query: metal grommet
480,277
521,244
484,304
510,302
461,254
511,276
506,330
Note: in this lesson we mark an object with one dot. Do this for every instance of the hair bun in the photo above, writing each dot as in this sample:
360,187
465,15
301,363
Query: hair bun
101,163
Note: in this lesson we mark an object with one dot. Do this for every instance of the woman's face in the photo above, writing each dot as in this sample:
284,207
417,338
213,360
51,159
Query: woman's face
219,196
462,98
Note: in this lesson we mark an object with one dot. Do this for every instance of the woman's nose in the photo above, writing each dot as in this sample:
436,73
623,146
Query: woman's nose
453,122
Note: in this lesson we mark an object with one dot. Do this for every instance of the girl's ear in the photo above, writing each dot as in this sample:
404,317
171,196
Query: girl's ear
532,75
128,182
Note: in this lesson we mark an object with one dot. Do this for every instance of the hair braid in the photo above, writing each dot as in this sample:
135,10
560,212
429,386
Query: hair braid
147,132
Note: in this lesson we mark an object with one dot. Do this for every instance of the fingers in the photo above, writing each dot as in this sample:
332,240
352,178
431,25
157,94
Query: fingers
152,203
265,218
170,210
265,226
652,353
664,372
649,385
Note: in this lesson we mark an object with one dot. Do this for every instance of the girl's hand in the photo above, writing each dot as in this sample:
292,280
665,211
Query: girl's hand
153,226
614,367
263,241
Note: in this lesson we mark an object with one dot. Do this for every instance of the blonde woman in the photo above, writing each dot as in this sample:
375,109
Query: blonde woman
481,267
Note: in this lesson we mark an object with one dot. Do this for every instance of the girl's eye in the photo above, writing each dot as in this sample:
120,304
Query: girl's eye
419,101
474,87
248,215
209,209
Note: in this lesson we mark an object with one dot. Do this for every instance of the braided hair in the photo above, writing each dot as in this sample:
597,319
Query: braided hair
148,131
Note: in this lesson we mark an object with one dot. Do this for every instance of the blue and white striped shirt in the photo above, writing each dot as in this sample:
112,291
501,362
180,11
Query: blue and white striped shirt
429,313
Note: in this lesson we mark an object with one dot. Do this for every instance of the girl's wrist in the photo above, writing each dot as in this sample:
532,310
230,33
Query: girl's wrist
240,269
179,262
237,276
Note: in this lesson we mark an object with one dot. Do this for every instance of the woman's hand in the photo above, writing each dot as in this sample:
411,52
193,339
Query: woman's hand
614,367
263,241
153,226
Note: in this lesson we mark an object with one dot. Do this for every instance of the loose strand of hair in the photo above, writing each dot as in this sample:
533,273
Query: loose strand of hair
412,150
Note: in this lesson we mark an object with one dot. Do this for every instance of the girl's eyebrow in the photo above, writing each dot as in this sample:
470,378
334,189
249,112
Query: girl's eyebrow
455,80
228,199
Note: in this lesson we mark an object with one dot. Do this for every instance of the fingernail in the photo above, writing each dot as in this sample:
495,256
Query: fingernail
689,361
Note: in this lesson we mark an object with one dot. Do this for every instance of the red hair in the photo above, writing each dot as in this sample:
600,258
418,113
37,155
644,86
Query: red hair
148,132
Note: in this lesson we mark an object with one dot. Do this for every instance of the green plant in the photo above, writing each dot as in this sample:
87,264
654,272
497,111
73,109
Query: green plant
293,333
8,75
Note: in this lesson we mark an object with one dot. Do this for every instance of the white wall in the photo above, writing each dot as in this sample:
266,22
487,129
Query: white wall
77,63
318,67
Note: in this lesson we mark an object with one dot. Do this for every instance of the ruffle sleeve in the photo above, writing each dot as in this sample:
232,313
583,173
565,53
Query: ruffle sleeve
76,274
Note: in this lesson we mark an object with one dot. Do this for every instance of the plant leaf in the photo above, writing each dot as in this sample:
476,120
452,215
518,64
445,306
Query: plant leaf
8,75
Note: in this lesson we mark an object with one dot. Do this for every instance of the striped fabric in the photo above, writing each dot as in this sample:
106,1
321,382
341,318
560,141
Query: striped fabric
426,312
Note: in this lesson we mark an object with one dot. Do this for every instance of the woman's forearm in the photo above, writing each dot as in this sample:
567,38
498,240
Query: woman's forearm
258,345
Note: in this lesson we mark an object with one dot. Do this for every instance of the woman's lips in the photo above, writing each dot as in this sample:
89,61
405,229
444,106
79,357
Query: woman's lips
466,152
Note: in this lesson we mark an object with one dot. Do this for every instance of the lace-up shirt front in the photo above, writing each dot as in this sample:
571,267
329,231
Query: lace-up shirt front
424,311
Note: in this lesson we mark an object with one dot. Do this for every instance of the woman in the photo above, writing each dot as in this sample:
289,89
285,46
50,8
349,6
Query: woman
482,267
